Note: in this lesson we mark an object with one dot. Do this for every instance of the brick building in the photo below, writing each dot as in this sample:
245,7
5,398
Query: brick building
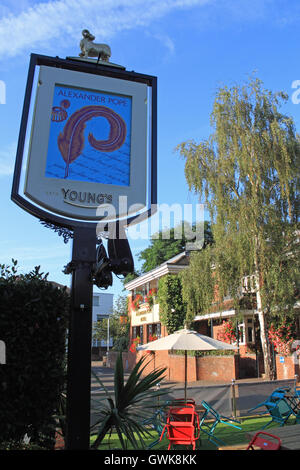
145,324
145,321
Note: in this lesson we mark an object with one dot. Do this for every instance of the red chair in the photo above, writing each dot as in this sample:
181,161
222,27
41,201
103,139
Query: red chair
260,441
182,426
182,401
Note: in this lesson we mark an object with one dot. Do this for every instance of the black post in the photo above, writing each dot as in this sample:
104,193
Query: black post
80,336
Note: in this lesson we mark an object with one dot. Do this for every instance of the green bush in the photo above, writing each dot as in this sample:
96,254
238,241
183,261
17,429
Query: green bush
217,352
33,325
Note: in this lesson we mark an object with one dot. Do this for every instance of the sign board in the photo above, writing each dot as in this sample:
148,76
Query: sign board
142,316
92,142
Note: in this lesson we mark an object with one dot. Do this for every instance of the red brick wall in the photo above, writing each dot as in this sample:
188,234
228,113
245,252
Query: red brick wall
177,368
209,368
217,368
216,331
286,369
203,328
129,360
155,361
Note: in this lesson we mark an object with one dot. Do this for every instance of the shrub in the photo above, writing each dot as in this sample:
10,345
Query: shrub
33,325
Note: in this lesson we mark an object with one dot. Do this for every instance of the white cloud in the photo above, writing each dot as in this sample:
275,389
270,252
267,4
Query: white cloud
166,41
49,21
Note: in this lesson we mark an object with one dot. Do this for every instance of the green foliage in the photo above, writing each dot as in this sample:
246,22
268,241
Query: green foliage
130,277
172,309
281,262
168,243
247,172
118,330
198,283
133,402
163,246
19,445
225,352
33,325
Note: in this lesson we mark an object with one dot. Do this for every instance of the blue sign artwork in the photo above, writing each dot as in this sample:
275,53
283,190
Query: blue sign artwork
90,137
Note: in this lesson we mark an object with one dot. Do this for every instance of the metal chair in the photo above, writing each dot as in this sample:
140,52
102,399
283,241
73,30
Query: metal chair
157,422
182,401
208,427
259,440
279,393
278,409
182,425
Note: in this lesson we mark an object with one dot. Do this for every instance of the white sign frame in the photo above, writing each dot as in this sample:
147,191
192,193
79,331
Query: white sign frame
64,196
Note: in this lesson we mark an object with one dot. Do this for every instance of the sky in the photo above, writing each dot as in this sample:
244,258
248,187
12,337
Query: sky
191,46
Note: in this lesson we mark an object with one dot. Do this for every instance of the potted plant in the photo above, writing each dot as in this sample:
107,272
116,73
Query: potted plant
151,297
137,301
134,344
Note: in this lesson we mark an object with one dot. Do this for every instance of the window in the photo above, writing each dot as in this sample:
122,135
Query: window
96,301
250,331
241,333
137,331
154,329
141,335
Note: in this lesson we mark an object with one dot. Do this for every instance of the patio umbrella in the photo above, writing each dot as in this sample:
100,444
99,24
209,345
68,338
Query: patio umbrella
186,340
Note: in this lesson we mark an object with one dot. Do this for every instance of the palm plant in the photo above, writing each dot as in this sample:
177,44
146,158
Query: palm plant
133,403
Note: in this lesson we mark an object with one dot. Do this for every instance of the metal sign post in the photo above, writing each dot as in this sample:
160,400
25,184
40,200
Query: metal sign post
79,347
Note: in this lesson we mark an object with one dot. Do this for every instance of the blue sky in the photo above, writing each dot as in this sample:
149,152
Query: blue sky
192,46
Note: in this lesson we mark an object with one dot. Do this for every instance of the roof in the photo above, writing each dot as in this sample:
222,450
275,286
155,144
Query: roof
171,266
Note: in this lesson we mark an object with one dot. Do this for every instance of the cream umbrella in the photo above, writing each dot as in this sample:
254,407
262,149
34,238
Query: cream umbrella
185,340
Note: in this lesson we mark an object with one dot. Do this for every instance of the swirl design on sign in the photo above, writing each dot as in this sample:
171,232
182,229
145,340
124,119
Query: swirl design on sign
71,141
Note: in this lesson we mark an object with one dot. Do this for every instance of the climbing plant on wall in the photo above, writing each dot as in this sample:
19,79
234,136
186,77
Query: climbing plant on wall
172,308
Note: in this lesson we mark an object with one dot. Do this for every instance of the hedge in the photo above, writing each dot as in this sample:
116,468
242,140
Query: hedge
33,325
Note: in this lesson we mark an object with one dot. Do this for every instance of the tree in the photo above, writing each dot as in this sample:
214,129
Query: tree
129,277
248,173
118,325
164,245
198,283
